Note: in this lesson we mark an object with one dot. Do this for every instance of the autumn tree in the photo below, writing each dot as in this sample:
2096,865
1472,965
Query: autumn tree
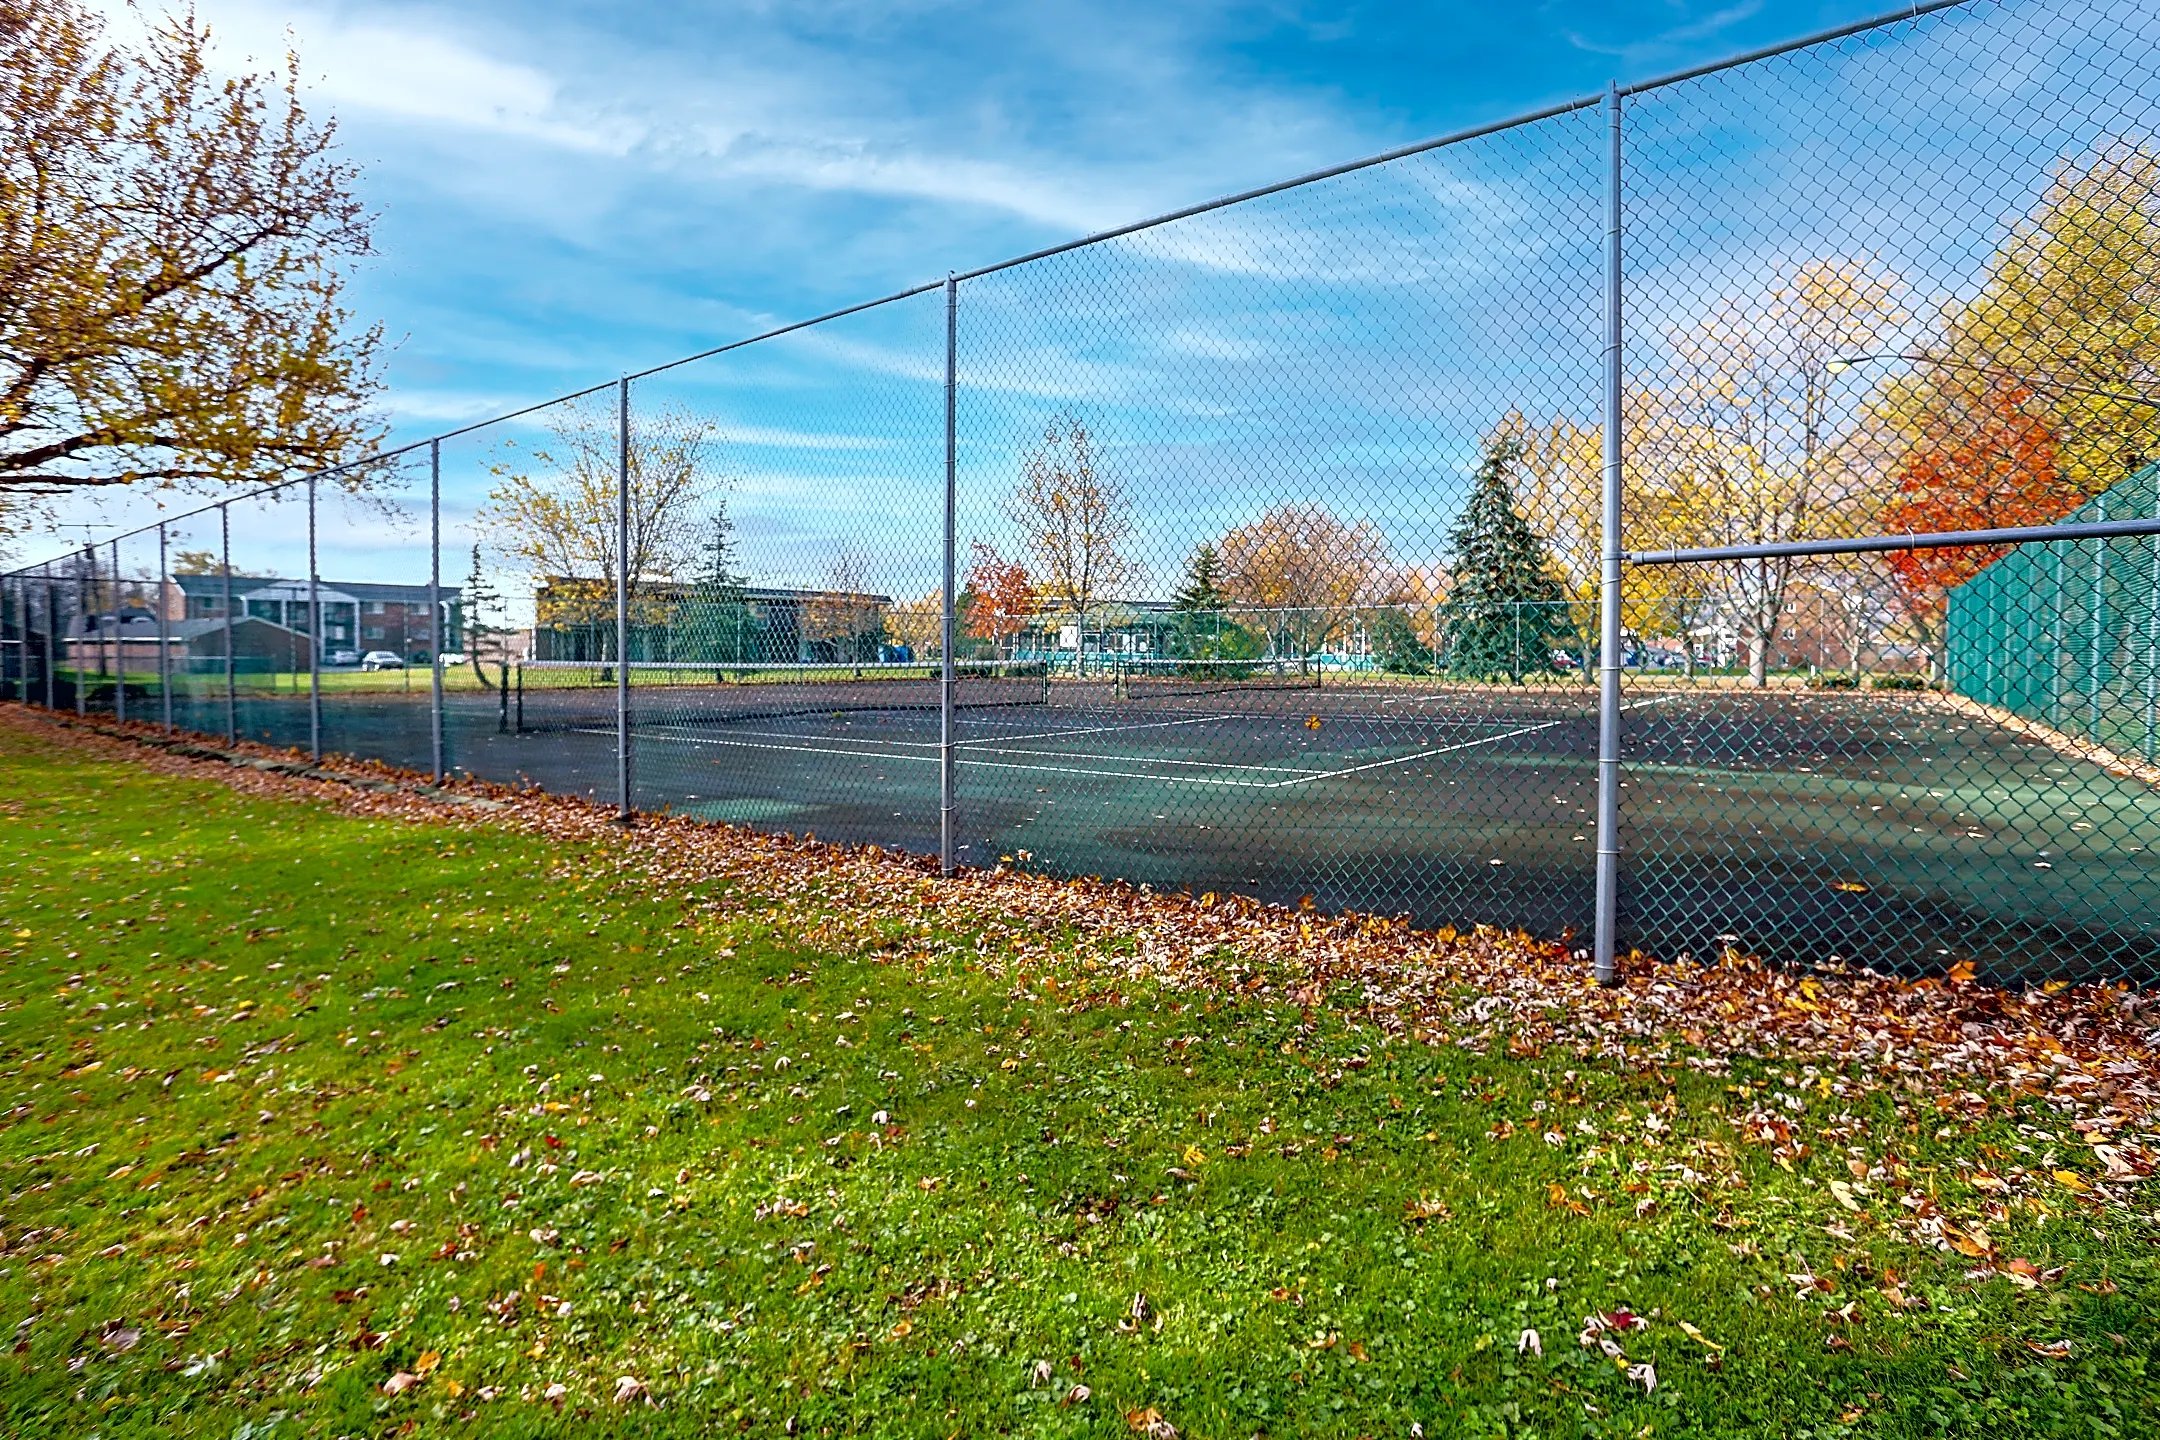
845,617
999,599
1747,422
1507,611
198,562
1074,519
1559,477
173,243
1301,572
553,515
2069,311
1983,466
920,624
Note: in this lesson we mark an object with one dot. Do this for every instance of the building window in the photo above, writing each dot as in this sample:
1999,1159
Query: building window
372,632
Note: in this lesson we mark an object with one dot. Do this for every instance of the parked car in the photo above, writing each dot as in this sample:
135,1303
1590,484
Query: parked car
382,660
341,657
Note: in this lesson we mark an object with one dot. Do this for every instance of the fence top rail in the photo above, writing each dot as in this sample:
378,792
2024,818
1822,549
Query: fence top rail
1911,11
1932,540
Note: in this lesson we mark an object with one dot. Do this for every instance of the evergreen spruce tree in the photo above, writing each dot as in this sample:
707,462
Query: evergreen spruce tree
1506,611
1204,629
1202,592
723,626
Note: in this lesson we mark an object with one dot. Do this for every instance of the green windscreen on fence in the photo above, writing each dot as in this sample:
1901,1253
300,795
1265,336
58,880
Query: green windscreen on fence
2067,634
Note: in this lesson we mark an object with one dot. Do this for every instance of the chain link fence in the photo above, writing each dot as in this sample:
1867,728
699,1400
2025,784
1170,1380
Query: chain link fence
1612,523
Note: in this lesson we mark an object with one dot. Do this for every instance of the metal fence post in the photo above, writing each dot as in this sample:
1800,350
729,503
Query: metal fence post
1608,772
164,640
83,583
119,641
622,598
435,610
52,642
314,630
945,685
232,709
119,646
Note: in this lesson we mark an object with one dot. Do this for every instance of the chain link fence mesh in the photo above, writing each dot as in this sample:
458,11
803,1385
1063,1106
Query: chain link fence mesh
1859,306
1214,473
1276,538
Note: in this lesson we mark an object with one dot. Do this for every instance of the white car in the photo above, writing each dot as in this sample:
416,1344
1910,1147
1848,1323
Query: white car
382,660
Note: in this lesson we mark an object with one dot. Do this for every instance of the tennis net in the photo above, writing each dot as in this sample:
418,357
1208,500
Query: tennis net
554,695
1149,678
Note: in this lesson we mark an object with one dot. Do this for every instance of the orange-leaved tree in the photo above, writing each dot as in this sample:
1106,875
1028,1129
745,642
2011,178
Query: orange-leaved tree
999,597
1990,463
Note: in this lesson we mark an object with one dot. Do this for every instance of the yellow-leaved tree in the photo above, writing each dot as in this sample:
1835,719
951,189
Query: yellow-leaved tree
1742,432
1561,489
1300,573
173,242
554,516
1074,518
2070,305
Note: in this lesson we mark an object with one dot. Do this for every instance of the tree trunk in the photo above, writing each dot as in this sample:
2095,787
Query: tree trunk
1758,660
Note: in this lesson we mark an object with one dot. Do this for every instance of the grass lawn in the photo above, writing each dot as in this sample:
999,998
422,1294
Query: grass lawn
323,1120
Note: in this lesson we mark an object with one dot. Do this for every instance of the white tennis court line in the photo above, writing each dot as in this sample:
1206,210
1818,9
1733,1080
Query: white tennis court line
888,746
660,733
1003,745
1101,730
932,744
1230,782
1298,770
888,740
1468,744
932,759
995,743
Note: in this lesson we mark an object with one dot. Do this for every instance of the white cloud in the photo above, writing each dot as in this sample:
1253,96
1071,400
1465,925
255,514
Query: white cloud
841,163
749,113
406,71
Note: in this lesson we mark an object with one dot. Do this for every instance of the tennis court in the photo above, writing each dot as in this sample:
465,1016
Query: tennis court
1896,829
1749,817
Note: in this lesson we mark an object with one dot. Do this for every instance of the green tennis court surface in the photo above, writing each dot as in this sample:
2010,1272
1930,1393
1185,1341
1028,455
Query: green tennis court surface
1889,829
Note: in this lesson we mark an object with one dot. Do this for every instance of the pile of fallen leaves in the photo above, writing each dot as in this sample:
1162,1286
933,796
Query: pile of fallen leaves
1962,1050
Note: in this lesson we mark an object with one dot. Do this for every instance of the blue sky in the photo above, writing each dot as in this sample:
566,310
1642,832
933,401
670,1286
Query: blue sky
569,190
